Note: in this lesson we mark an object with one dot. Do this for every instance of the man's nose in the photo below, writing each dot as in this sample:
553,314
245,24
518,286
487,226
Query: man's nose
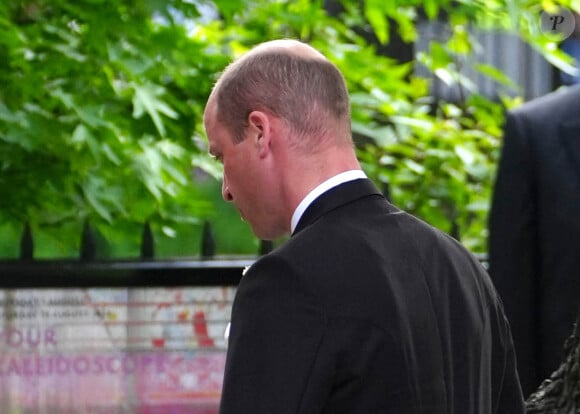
227,196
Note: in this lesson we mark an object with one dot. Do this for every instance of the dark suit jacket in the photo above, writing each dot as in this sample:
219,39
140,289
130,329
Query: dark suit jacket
534,247
368,310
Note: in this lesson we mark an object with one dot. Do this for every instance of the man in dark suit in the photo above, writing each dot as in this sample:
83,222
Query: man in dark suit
534,248
365,309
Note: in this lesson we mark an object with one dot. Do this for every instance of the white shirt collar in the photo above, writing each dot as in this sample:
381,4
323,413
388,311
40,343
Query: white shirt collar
322,188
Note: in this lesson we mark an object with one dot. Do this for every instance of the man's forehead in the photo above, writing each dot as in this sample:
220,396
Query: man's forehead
210,118
210,111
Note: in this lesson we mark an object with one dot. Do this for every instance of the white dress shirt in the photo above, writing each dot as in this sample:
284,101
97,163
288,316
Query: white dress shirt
322,188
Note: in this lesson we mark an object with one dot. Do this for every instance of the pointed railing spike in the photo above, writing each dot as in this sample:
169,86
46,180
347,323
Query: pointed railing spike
387,191
207,241
147,242
455,231
88,251
266,246
26,243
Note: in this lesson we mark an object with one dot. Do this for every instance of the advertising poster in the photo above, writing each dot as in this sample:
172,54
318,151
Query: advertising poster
146,350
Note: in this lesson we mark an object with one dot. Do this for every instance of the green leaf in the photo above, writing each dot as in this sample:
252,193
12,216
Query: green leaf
146,100
460,42
495,74
431,8
93,192
111,155
207,164
440,57
415,167
81,135
465,154
375,13
424,124
562,61
228,8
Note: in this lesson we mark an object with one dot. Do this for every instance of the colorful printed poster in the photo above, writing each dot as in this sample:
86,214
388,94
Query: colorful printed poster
113,350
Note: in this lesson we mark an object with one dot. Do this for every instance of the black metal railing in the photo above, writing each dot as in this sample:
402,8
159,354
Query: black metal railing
89,270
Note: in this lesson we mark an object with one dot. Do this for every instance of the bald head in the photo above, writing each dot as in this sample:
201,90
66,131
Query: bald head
288,79
289,46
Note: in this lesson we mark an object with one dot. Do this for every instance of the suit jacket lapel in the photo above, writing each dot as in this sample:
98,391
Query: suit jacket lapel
334,198
570,135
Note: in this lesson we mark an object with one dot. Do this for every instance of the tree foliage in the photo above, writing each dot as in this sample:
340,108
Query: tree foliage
99,102
101,105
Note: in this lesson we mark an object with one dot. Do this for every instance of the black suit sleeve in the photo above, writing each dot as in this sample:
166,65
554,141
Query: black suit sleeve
275,333
506,387
513,244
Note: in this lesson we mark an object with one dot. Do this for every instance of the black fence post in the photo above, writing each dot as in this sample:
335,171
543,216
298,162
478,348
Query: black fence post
26,244
455,231
147,242
88,250
207,241
386,188
266,246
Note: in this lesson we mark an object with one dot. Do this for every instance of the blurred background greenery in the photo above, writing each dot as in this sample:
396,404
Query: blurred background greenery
101,107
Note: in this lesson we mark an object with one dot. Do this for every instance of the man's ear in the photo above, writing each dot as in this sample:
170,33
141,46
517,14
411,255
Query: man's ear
260,131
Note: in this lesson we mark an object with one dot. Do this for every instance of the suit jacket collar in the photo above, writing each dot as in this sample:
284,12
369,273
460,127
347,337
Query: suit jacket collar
334,198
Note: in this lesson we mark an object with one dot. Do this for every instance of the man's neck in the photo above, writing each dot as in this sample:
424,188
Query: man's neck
320,189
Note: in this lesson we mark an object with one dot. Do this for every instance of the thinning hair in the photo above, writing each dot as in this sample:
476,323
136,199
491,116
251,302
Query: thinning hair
305,90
